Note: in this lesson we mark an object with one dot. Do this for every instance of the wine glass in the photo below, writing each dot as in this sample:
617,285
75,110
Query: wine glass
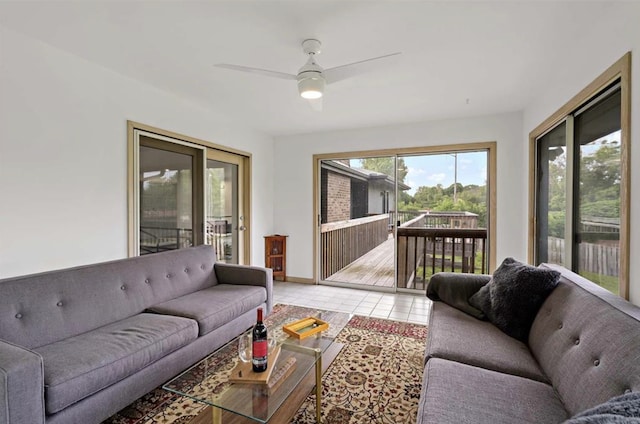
272,342
244,347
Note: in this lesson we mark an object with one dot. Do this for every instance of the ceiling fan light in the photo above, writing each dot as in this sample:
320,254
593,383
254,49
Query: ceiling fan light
311,88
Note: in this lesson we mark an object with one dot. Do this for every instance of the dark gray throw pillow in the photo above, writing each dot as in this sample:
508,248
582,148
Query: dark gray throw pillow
623,409
513,296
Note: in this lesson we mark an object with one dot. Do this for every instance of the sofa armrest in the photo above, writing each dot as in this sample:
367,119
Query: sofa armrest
455,289
21,385
248,275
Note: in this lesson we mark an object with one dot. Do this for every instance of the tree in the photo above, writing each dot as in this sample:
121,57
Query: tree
385,166
461,205
600,174
459,188
429,197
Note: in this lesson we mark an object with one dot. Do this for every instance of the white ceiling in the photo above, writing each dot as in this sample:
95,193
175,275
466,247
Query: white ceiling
495,54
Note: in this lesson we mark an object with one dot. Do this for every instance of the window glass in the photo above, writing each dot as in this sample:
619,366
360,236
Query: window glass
597,218
551,200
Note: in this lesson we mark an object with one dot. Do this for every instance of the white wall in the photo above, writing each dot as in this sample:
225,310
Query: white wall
63,156
374,199
293,209
618,32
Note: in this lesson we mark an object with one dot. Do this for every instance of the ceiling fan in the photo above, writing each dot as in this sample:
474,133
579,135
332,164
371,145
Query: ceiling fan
312,78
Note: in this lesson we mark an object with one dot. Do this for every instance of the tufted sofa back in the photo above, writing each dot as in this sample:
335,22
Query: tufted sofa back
587,341
36,310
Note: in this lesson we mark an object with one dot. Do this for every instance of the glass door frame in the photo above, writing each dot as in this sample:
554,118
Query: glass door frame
317,231
134,130
489,147
240,227
620,70
198,209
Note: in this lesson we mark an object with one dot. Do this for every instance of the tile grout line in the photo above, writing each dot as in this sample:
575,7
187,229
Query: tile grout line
374,306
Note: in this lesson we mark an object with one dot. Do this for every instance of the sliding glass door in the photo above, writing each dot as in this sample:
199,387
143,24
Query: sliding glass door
169,206
357,214
443,216
224,217
187,194
390,222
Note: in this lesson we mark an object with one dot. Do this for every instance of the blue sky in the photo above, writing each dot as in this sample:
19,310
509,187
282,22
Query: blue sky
431,170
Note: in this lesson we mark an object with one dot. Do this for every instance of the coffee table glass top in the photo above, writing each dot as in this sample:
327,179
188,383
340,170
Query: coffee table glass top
207,381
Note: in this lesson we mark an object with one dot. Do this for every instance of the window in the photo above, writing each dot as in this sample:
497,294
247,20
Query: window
580,174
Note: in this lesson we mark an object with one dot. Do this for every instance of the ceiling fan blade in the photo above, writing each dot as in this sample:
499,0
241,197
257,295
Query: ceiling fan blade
341,72
265,72
316,104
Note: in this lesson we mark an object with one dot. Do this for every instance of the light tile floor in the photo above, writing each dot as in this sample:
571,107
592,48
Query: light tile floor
395,306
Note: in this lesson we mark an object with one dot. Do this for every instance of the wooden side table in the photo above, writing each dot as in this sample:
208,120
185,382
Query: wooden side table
275,255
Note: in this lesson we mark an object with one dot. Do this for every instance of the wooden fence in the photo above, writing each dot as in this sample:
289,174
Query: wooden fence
601,259
344,242
422,252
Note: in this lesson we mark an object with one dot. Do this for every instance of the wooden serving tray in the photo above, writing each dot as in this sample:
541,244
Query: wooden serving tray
305,327
243,372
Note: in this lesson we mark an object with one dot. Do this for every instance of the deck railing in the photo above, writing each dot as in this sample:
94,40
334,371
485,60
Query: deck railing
218,234
160,239
344,242
422,252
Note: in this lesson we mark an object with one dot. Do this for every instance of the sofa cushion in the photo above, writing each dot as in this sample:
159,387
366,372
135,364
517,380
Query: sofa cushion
77,367
455,393
215,306
37,310
587,340
513,296
456,336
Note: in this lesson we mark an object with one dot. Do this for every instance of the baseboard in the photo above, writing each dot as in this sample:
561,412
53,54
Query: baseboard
300,280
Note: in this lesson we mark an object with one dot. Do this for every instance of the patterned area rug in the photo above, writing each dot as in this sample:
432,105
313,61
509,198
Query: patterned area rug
376,378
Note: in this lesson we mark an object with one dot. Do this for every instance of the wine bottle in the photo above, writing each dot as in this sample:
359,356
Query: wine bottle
260,345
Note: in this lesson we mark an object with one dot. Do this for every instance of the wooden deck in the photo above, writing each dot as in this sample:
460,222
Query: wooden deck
374,268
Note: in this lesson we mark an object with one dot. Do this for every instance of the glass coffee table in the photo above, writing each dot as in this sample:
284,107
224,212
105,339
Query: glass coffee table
208,381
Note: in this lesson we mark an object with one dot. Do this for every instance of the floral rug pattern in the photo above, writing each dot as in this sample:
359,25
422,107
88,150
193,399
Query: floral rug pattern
376,378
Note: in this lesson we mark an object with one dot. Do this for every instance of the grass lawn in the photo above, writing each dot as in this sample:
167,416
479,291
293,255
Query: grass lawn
605,281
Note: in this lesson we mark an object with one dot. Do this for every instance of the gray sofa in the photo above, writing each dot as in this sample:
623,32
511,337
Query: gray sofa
582,350
78,345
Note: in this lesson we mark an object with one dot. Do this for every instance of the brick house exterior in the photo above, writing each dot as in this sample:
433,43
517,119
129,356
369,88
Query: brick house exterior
338,191
350,193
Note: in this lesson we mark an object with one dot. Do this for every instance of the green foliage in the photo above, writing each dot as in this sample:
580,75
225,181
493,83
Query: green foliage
160,193
602,168
385,166
599,186
409,206
462,205
556,223
608,282
215,178
471,198
449,190
601,208
557,185
428,197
